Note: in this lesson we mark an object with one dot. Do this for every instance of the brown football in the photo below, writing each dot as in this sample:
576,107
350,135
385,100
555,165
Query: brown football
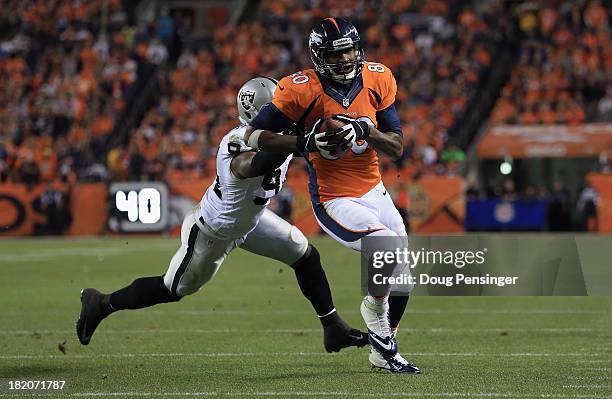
337,146
329,125
333,125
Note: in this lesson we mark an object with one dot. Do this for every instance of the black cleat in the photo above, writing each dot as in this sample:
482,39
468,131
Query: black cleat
92,313
338,336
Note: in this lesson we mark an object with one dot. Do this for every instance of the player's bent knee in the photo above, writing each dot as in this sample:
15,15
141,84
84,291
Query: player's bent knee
382,240
295,248
156,289
180,291
383,233
172,297
311,256
300,240
376,248
192,283
184,290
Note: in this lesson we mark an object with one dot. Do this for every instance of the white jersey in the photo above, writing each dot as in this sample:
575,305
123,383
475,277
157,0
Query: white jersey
231,207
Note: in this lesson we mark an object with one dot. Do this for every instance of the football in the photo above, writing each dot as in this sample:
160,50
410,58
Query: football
330,125
338,146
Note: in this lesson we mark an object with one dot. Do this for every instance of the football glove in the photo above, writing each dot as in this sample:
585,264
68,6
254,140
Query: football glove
306,143
332,145
359,125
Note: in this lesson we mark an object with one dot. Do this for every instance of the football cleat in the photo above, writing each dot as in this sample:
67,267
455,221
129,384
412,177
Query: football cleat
379,332
92,313
387,346
396,364
338,336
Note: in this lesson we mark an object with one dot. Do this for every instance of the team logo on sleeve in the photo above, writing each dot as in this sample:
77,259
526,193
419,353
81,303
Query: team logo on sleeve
247,98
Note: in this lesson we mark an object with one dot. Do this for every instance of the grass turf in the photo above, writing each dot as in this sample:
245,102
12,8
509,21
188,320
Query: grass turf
250,333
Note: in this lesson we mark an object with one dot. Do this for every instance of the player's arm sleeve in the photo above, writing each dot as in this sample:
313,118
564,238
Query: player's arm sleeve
265,162
271,118
388,120
249,164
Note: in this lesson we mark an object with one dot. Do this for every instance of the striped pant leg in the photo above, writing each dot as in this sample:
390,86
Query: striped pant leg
197,260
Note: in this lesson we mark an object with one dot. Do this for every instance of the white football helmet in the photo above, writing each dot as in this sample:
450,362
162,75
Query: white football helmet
253,95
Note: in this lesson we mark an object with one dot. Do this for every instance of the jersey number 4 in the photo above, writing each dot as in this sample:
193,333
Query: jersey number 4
271,181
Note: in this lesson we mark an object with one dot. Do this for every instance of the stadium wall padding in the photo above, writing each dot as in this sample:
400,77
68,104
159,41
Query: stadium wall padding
19,214
436,204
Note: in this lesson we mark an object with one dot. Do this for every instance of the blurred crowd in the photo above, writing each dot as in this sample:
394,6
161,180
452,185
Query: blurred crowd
563,72
67,70
437,51
70,68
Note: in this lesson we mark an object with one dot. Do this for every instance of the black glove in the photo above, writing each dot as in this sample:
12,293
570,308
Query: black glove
361,128
307,142
332,145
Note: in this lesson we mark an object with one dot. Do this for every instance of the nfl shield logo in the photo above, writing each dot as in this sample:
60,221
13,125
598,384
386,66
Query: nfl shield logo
345,102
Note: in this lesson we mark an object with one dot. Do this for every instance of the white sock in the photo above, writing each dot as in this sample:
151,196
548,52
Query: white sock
377,304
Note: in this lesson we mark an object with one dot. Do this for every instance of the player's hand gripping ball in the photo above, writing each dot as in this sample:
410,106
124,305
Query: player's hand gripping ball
334,138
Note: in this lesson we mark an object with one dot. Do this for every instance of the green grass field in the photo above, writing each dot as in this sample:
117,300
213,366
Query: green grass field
250,333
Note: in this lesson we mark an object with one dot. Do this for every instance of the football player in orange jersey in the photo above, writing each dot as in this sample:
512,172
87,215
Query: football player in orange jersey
349,199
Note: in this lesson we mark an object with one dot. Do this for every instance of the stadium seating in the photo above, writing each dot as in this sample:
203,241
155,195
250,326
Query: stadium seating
66,73
67,78
563,68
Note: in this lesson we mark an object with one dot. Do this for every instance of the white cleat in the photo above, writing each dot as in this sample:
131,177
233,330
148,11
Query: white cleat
396,364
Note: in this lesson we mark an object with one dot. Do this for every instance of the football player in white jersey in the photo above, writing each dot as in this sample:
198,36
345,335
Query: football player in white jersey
232,214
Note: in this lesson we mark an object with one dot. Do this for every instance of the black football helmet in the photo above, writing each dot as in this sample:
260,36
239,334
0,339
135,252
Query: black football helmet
331,35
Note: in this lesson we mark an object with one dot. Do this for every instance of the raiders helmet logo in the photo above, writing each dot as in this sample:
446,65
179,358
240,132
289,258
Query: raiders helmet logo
247,98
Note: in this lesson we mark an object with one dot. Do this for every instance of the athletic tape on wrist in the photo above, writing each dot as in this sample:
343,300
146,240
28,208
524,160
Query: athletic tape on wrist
254,139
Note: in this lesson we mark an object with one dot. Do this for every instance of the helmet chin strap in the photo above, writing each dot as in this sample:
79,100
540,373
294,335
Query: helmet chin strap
343,78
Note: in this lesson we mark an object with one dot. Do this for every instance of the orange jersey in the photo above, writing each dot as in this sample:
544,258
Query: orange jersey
304,98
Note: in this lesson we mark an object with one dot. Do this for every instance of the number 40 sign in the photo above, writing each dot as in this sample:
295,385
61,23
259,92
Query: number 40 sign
143,205
139,206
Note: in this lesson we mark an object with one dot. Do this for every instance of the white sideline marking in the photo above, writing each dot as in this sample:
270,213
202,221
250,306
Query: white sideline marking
596,368
309,330
247,312
410,311
277,354
327,394
587,386
589,378
596,361
195,354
